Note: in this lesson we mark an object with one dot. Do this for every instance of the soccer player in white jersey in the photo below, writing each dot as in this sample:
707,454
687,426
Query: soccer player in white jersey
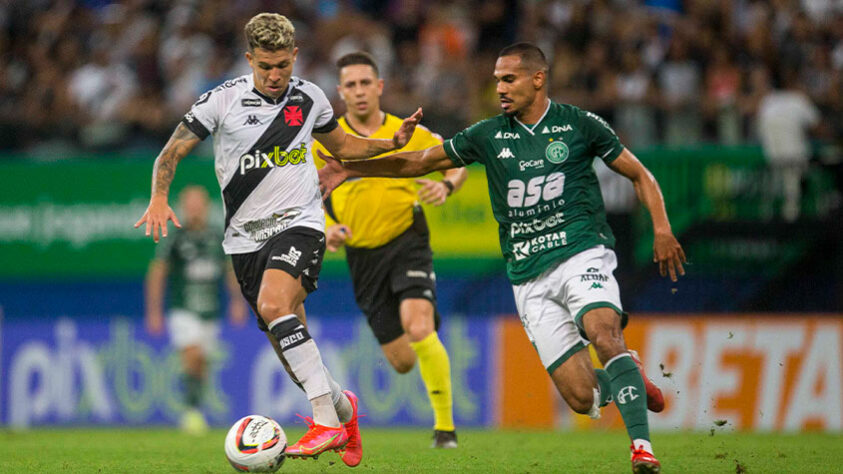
264,124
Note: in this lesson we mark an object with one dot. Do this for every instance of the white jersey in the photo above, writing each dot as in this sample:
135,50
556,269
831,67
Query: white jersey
262,157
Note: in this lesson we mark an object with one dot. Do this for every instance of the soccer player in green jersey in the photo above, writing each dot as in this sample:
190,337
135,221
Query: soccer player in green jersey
191,267
545,195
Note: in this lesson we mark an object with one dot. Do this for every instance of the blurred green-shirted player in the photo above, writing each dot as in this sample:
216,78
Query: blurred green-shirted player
538,156
191,269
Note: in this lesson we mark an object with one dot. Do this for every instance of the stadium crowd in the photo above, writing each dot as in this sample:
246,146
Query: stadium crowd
94,75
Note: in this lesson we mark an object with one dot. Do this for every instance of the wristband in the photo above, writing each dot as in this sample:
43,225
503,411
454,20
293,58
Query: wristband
448,185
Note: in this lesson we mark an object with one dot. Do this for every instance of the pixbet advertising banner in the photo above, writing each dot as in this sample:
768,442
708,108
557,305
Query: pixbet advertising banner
742,372
110,372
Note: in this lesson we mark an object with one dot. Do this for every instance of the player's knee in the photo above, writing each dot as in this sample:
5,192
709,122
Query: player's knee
581,399
418,330
606,335
607,343
270,311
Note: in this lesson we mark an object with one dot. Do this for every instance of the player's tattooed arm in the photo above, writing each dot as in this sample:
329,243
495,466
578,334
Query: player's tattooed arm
181,142
159,212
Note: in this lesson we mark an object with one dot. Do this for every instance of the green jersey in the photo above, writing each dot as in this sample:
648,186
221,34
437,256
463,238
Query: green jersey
196,267
544,191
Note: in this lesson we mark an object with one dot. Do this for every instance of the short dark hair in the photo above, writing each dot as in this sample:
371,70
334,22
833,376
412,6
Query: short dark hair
531,56
358,57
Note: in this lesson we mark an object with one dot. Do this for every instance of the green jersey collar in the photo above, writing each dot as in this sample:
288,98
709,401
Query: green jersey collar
533,127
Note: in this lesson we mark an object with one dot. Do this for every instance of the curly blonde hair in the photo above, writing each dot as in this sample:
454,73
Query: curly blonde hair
270,31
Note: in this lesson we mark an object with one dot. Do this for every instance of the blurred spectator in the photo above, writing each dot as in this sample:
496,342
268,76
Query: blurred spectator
101,89
785,116
723,82
184,54
635,118
116,74
679,81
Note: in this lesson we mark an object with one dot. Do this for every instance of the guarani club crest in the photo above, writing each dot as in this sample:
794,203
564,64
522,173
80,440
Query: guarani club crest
556,152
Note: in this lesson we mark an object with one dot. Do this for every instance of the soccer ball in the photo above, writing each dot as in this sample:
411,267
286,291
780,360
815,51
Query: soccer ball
256,443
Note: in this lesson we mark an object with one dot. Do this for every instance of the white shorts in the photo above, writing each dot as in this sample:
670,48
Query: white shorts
186,328
551,306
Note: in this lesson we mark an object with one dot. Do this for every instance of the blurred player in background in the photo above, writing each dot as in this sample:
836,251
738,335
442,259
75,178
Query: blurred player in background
263,125
190,267
385,233
558,247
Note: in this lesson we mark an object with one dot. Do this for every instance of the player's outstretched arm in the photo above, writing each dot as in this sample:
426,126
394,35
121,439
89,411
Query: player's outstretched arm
666,249
407,164
159,212
436,192
346,146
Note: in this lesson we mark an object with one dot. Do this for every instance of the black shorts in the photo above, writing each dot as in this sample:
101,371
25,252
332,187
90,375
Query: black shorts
384,276
297,251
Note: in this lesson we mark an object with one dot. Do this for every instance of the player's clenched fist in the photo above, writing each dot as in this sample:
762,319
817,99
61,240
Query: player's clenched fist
336,235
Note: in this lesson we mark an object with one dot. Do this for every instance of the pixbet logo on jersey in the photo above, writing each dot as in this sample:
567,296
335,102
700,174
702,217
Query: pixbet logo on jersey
275,158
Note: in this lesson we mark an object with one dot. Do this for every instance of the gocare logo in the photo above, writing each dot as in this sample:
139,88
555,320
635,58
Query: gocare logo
524,164
276,158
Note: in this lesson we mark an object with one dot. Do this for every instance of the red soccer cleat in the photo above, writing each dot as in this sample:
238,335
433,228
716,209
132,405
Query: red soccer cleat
644,462
655,399
317,440
354,449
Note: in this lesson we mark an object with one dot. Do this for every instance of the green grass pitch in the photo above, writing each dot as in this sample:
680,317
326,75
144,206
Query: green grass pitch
407,451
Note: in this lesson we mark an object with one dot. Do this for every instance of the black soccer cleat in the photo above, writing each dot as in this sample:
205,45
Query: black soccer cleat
444,439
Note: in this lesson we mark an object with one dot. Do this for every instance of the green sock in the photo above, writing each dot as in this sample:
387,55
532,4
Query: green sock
193,387
629,395
605,386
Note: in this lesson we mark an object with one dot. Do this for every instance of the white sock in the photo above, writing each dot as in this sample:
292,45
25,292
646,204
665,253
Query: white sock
302,355
324,412
643,445
340,401
594,412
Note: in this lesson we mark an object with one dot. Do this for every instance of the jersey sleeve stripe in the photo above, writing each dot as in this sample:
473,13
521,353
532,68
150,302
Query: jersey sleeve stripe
612,157
196,127
328,127
456,154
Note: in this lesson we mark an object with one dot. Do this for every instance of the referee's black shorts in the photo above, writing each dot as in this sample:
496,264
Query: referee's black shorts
297,251
386,275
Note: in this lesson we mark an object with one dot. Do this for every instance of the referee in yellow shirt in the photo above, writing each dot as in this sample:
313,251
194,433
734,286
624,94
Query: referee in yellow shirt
387,244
